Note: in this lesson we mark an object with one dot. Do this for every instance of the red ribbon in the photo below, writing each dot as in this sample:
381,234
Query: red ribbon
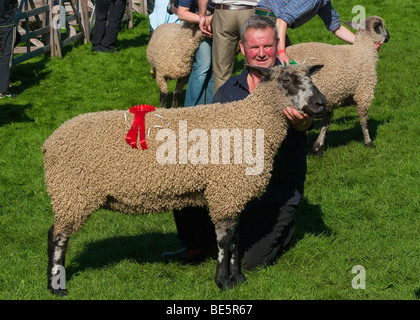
138,125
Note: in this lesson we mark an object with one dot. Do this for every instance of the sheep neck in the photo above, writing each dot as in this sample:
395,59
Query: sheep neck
267,102
365,41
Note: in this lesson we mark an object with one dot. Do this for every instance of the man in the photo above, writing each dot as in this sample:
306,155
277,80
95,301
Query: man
266,226
8,9
294,13
109,14
224,27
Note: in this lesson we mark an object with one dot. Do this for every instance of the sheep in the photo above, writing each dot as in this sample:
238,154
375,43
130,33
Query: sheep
88,165
349,76
171,52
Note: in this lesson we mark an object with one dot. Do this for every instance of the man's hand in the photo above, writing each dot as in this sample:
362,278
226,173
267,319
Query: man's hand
205,25
284,59
299,121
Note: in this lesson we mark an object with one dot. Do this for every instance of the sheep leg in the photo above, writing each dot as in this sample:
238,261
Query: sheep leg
225,278
179,85
363,115
163,86
235,264
57,247
325,124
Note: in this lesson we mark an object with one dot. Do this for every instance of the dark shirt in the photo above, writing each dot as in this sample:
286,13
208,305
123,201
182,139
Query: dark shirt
193,5
289,168
7,13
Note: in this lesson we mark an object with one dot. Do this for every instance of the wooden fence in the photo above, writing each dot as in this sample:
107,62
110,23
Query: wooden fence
46,26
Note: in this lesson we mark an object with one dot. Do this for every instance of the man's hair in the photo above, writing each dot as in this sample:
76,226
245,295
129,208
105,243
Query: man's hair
257,22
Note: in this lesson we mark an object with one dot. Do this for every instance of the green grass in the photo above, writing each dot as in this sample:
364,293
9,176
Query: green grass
361,206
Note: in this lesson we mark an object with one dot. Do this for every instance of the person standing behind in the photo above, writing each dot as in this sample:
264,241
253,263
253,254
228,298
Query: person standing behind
200,83
224,27
109,14
160,11
8,9
294,13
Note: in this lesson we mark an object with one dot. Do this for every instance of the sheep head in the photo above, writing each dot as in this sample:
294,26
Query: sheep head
374,26
296,82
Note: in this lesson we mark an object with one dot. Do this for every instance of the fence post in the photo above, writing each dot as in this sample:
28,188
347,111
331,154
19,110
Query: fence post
84,12
54,40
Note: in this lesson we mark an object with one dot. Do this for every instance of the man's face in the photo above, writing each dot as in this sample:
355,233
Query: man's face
260,47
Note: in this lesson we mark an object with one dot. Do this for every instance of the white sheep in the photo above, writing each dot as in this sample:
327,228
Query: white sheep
349,73
89,165
171,52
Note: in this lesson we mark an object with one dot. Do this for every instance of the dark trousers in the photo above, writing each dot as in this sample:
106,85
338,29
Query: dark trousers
7,39
264,231
109,14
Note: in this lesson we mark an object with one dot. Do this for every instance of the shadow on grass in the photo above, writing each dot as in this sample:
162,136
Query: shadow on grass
309,220
13,113
417,293
29,74
336,138
144,248
148,247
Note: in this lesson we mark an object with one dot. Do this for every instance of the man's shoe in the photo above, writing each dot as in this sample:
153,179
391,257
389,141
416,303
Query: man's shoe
7,95
186,255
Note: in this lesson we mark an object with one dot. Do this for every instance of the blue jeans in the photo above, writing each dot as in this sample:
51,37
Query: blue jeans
200,84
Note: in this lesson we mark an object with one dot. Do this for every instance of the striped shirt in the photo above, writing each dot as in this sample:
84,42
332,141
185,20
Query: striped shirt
297,12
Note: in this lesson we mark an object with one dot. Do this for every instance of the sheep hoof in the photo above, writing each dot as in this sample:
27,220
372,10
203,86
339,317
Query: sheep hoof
370,145
230,282
318,152
225,283
59,292
239,278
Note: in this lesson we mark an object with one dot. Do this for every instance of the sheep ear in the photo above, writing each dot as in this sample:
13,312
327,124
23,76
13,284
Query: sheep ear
314,69
266,72
351,24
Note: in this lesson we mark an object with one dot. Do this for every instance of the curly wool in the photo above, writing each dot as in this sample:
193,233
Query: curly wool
349,74
89,165
171,52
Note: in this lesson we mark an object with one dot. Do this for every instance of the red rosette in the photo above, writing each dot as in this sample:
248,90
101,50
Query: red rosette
138,125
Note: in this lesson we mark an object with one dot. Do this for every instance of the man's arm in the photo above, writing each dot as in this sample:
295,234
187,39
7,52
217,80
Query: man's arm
281,46
345,34
204,19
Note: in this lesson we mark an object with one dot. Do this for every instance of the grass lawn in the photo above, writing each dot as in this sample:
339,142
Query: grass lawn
361,206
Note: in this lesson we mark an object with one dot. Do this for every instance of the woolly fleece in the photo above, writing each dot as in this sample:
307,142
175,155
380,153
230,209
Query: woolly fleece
349,74
89,165
171,51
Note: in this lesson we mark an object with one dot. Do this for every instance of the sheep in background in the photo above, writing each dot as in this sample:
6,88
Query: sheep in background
349,73
89,165
171,52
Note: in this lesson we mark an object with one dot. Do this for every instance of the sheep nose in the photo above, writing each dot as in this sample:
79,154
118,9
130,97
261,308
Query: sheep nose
322,102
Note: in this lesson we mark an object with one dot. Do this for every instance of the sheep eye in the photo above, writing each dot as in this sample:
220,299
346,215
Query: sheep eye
378,29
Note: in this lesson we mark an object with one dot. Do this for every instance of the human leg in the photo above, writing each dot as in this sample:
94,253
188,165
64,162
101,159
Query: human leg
196,234
7,37
264,232
116,14
101,13
198,83
226,25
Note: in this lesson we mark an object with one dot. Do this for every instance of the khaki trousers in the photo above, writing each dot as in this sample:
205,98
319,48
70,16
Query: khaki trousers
226,26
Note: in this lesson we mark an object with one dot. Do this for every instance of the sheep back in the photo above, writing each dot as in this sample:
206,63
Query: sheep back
172,48
348,69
